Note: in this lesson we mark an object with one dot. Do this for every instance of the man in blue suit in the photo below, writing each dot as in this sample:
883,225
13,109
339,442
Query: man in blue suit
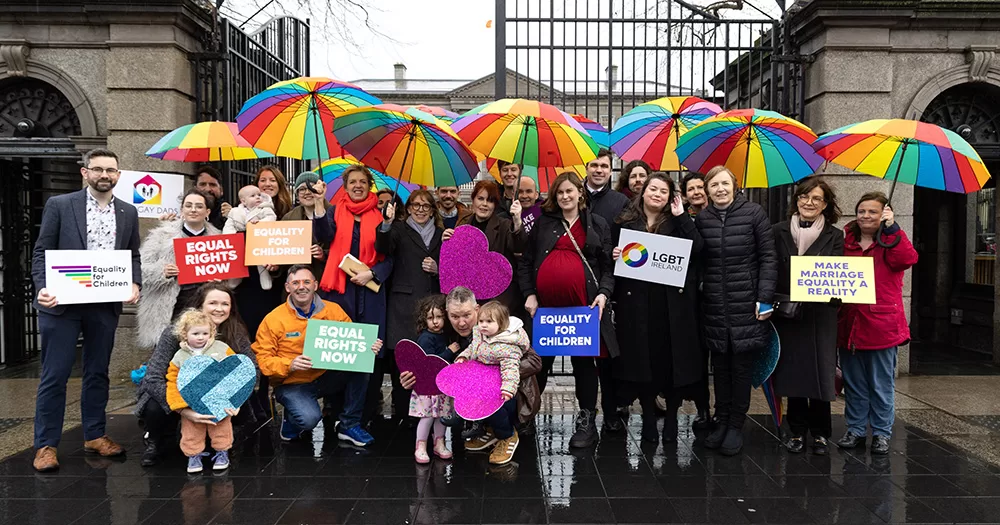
89,219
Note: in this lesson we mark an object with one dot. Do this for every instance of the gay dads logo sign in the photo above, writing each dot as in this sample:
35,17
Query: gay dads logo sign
89,276
654,258
334,345
152,194
201,259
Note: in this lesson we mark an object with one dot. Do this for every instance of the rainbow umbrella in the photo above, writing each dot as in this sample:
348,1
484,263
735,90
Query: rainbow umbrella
439,113
531,134
933,157
595,129
333,169
762,148
294,118
205,142
763,365
650,131
407,143
543,177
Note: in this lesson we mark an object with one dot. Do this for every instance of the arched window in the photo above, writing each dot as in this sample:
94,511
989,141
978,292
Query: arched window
33,108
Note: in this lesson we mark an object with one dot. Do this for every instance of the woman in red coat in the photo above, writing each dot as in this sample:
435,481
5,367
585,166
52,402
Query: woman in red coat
868,334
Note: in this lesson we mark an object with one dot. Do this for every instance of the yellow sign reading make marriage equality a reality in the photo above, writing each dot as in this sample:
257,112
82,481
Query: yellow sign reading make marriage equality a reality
819,279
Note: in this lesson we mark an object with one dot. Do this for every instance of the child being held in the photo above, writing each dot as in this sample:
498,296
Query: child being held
430,409
499,339
255,206
196,332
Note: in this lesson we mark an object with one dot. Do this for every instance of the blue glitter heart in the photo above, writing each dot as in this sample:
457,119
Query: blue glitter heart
210,387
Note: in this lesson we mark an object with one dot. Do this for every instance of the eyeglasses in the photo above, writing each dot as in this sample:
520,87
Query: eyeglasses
305,191
421,207
815,200
98,171
304,282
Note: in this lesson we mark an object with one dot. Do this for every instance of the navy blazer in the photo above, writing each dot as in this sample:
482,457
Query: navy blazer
64,227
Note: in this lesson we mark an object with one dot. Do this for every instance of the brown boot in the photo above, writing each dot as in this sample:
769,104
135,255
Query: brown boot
45,459
103,446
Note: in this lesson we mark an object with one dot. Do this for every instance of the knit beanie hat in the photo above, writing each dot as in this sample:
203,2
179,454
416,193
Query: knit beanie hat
306,176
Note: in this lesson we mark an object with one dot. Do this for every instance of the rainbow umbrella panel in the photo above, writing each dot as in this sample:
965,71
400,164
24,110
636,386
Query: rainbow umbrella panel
205,142
596,131
407,144
762,148
650,131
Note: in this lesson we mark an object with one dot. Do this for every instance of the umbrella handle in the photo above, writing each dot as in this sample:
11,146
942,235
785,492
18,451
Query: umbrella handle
878,238
892,189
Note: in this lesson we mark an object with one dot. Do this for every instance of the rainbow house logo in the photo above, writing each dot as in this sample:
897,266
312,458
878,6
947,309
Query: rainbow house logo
80,274
634,260
147,191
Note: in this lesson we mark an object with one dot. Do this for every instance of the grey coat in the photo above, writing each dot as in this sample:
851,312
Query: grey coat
64,227
808,363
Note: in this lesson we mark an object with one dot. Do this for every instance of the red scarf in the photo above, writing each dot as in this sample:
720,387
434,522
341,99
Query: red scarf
346,210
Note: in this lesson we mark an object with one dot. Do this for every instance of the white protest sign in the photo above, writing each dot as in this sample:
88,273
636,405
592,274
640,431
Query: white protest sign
89,276
152,194
653,258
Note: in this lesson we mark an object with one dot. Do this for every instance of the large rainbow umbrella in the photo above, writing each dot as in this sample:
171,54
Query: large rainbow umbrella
294,118
595,129
543,177
205,142
532,133
333,169
908,151
650,131
439,113
407,144
762,148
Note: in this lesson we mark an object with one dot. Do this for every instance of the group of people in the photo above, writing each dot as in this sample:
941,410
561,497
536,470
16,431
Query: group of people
563,250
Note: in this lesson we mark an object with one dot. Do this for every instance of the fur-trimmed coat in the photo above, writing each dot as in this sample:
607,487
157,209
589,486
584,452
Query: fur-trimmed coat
159,293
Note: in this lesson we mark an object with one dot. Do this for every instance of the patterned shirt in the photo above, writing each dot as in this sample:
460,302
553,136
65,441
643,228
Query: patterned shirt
101,226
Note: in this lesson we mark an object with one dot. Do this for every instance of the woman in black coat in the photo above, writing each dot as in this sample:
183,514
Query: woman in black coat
808,363
551,273
740,270
658,356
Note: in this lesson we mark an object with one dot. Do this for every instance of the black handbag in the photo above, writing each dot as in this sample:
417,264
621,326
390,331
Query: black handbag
785,308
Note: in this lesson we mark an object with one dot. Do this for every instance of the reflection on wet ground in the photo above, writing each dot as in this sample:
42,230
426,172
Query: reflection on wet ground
621,480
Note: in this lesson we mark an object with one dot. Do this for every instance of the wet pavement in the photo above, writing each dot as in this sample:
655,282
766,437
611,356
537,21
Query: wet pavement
622,480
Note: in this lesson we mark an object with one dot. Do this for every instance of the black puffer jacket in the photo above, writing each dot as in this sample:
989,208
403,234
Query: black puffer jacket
740,269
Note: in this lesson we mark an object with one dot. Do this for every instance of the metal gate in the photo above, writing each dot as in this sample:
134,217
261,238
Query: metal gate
19,325
602,58
239,65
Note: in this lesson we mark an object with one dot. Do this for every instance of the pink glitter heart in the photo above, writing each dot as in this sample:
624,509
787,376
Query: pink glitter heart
466,260
475,387
411,358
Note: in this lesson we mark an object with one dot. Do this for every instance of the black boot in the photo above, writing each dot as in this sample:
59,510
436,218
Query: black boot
151,456
649,433
714,440
733,443
586,430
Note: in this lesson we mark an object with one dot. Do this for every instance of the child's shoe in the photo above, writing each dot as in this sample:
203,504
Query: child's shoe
420,454
221,460
194,464
441,448
503,452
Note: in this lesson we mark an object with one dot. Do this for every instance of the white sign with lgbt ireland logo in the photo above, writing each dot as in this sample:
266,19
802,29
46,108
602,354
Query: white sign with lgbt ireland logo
89,276
653,258
152,194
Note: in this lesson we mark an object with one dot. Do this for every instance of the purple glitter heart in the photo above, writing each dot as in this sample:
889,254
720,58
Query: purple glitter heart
475,387
411,358
466,260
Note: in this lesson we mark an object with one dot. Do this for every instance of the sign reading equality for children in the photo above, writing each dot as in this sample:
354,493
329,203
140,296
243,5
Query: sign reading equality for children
89,276
340,346
654,258
819,279
567,331
152,194
201,259
279,242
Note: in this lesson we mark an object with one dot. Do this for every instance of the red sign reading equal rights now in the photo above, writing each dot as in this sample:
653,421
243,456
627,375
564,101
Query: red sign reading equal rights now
202,259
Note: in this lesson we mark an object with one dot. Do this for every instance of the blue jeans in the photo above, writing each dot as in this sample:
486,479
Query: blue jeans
97,322
869,390
502,421
302,407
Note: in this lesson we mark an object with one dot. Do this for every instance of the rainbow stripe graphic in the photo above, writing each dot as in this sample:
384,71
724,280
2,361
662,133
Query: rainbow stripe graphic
80,274
627,252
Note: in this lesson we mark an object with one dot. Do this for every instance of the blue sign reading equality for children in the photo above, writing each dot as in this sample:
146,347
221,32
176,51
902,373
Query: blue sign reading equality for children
567,331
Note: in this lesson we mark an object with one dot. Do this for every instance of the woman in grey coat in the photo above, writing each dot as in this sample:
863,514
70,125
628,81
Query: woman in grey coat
808,364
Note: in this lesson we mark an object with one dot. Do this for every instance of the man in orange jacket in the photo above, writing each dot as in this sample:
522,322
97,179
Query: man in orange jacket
297,385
